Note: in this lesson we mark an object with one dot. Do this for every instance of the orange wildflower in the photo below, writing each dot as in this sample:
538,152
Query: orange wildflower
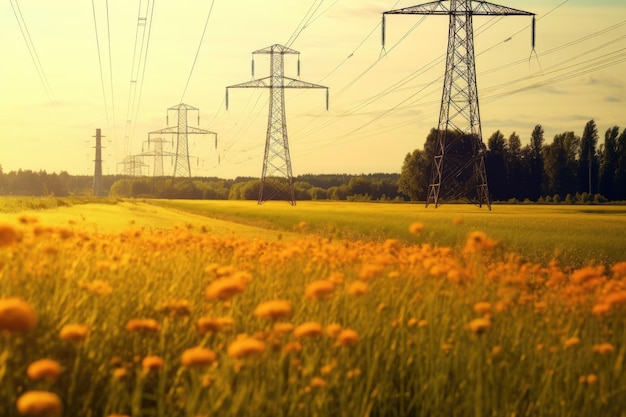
283,328
478,242
74,333
619,269
479,326
603,348
245,347
8,235
319,289
16,315
152,363
586,274
308,329
44,369
198,357
416,228
176,308
39,403
317,382
292,347
225,288
333,329
482,307
274,310
142,325
370,271
358,288
347,337
572,341
601,309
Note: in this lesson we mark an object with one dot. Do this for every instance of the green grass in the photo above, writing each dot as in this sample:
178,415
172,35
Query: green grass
416,355
577,235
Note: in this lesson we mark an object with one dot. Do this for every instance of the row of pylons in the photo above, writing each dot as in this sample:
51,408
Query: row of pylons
455,176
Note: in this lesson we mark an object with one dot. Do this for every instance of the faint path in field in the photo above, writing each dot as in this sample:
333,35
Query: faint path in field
127,215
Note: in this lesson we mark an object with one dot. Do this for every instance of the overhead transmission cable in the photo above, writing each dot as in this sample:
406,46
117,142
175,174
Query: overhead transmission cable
34,56
111,72
137,70
104,96
195,60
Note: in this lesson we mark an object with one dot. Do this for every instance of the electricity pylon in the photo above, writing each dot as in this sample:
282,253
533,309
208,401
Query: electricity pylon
276,177
157,153
182,167
132,166
453,175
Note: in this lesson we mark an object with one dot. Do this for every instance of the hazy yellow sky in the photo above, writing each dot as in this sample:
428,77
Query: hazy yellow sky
380,109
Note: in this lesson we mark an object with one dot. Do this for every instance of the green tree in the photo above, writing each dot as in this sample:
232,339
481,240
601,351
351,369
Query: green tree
414,175
620,171
495,164
534,167
587,158
561,165
608,163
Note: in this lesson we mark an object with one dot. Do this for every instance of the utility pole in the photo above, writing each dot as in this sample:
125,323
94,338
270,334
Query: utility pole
277,176
182,166
455,176
97,176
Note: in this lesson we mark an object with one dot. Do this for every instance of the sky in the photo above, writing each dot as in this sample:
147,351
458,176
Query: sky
72,66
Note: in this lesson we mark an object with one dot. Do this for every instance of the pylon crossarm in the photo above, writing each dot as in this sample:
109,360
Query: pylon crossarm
276,48
478,8
172,129
260,83
293,83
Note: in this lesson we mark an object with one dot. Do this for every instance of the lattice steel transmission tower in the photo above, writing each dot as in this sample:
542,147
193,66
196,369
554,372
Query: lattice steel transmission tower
277,176
132,166
97,175
182,166
157,153
454,175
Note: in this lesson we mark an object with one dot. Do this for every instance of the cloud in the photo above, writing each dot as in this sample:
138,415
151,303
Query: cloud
612,99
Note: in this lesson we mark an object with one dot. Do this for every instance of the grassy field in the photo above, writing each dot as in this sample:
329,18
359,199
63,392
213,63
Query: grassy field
177,308
577,235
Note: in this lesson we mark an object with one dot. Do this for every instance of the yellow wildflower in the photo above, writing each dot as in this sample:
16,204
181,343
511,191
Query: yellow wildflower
308,329
44,369
283,328
74,333
16,315
8,235
245,347
319,289
479,326
482,307
347,337
274,310
152,363
142,325
39,403
603,348
358,288
333,329
225,288
572,341
317,382
416,228
198,357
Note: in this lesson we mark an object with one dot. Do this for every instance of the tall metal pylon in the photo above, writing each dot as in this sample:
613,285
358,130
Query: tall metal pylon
157,153
182,166
97,175
277,176
453,176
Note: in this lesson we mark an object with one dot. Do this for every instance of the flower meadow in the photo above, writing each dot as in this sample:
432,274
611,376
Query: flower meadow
182,322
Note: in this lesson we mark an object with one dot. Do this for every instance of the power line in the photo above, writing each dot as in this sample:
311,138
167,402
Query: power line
193,66
95,25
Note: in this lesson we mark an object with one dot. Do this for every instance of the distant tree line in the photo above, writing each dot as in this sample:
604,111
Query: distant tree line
307,187
570,169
